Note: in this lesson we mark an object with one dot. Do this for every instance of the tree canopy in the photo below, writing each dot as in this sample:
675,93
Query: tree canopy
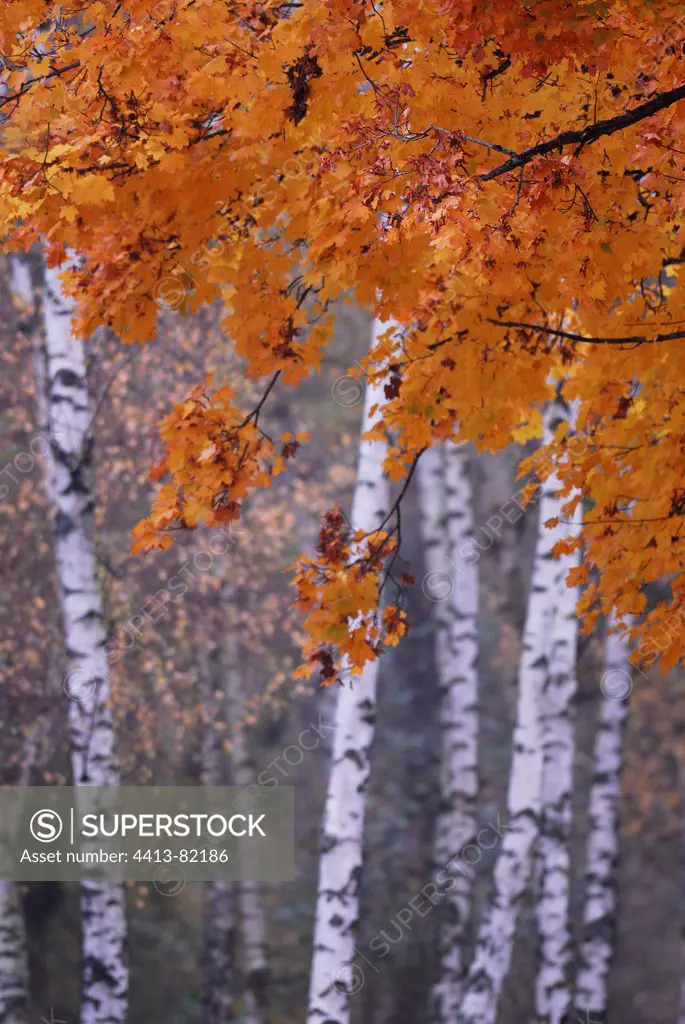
502,183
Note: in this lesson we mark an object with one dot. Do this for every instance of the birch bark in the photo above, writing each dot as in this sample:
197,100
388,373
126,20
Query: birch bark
219,923
93,757
452,584
14,963
598,938
252,921
514,864
552,989
334,977
219,953
14,946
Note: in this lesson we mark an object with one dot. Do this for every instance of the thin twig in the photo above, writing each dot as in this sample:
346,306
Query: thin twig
631,339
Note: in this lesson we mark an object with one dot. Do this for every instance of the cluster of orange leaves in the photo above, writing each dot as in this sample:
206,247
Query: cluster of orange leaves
394,150
341,593
215,456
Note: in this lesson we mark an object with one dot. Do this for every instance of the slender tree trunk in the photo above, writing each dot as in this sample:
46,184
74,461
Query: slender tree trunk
681,791
219,952
14,951
14,982
14,963
598,938
220,912
333,975
452,584
553,1000
253,938
513,868
91,734
250,898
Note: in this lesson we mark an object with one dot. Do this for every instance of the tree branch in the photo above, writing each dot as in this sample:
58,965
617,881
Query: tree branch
629,339
585,136
4,100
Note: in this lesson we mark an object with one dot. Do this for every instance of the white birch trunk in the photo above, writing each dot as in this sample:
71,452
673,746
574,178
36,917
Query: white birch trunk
452,584
219,920
14,962
252,921
255,954
219,952
598,938
93,757
553,985
333,975
514,865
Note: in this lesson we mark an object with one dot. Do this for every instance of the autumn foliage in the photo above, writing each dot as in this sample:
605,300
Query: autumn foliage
341,592
215,455
504,181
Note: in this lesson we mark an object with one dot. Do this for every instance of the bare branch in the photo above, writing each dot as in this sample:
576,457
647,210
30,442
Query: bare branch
4,100
630,339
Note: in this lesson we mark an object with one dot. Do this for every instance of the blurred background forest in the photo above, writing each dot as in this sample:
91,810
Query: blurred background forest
161,718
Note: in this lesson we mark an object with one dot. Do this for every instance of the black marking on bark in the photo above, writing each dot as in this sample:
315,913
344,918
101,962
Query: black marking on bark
62,525
68,379
355,757
95,971
257,982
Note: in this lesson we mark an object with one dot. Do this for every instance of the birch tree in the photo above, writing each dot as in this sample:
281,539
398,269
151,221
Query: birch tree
452,584
598,937
333,977
14,964
219,912
252,923
553,987
14,957
524,799
14,947
91,735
